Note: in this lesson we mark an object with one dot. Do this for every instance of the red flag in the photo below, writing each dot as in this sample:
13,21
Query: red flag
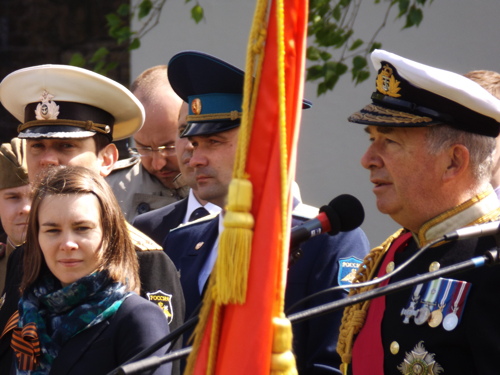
246,331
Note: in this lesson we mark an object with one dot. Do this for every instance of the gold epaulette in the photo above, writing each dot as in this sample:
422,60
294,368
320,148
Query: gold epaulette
354,316
125,163
197,221
141,241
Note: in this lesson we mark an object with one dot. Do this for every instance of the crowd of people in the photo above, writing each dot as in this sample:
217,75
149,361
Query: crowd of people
101,257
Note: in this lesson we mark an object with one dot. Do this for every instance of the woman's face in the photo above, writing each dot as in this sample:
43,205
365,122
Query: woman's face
70,235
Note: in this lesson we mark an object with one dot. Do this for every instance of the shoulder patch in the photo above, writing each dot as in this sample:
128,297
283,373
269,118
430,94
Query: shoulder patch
164,302
141,241
347,270
125,163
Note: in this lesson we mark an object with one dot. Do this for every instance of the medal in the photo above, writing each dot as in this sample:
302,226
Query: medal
430,296
437,315
451,320
411,311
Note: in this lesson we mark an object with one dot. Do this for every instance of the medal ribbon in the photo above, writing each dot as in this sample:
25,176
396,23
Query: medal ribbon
368,352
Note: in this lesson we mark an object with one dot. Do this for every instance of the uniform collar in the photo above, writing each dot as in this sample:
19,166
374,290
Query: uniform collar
482,208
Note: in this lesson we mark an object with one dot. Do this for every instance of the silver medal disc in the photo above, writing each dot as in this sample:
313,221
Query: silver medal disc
450,321
422,316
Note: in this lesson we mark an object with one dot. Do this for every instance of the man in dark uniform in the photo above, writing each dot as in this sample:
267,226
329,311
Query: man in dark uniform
69,116
213,90
158,223
432,136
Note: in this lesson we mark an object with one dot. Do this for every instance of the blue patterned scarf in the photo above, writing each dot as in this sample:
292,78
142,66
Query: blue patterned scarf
61,313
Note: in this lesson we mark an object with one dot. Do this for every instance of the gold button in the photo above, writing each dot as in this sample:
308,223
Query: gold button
390,267
394,347
434,266
198,245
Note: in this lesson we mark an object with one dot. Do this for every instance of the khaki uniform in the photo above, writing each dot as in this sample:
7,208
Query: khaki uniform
137,191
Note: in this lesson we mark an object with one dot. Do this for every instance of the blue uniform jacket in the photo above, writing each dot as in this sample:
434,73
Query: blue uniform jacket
157,223
319,268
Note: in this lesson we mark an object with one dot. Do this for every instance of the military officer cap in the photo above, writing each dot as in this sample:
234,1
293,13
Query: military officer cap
13,164
62,101
410,94
213,90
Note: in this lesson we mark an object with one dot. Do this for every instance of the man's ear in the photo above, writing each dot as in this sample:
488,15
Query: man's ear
458,162
106,158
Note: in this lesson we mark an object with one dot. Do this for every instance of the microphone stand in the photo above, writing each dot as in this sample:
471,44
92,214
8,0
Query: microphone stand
491,257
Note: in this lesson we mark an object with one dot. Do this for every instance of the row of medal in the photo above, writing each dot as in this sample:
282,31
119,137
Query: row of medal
440,301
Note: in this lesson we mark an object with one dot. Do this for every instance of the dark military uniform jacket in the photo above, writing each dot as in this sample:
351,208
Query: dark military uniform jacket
159,278
137,191
446,326
327,261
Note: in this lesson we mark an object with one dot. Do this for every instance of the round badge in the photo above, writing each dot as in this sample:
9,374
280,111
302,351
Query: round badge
390,267
450,321
422,316
436,318
196,106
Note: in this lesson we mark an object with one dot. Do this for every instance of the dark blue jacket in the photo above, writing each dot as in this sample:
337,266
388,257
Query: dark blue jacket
136,325
157,223
319,268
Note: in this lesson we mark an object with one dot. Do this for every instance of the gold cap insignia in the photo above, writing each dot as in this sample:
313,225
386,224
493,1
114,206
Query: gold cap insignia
387,84
196,106
47,109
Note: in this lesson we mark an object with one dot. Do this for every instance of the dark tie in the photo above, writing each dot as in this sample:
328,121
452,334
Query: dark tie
199,212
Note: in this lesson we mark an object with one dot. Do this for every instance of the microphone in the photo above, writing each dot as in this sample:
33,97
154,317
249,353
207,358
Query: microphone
342,214
480,230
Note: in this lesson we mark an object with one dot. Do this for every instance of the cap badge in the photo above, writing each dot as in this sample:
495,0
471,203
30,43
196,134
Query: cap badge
196,106
387,84
47,109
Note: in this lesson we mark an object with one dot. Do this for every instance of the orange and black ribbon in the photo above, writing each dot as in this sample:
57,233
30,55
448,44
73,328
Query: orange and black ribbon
24,342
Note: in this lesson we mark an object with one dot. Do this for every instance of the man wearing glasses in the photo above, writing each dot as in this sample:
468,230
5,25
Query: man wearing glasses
150,178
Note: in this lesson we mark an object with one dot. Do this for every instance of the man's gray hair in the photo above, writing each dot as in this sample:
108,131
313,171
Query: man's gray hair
481,148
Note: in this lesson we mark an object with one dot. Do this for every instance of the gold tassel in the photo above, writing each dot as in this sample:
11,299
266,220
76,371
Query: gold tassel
235,245
282,358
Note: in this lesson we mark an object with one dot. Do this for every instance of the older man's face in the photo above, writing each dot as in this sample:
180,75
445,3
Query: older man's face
406,177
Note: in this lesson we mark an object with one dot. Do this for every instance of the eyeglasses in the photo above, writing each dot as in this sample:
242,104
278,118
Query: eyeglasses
149,151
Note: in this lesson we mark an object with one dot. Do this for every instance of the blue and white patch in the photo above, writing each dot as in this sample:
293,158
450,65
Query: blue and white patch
347,270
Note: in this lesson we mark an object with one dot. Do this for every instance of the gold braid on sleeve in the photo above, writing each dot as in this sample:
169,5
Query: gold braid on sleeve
355,315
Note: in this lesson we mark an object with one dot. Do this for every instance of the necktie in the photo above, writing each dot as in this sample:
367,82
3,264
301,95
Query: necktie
199,212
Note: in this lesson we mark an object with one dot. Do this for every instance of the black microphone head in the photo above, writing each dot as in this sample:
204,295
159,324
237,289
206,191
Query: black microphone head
345,213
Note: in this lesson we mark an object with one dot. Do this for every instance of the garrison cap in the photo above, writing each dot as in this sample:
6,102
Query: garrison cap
13,164
410,94
62,101
213,90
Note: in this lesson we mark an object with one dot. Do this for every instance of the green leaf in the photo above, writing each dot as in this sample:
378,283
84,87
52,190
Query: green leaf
113,20
403,7
77,59
197,13
99,55
325,56
415,16
314,72
135,44
357,43
321,89
312,53
362,76
144,8
123,10
337,13
359,62
375,46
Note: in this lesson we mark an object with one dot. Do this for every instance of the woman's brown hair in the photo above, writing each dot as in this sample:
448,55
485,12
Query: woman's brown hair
118,255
